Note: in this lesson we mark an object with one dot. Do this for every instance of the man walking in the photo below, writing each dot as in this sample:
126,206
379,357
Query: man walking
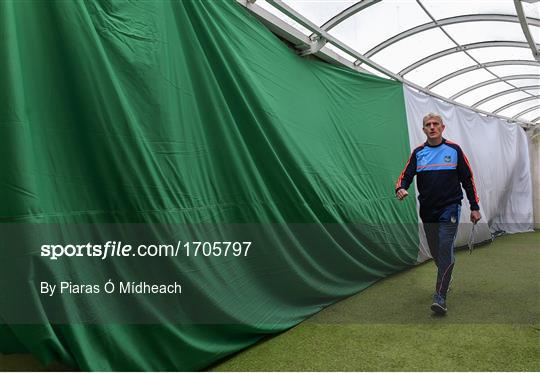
440,166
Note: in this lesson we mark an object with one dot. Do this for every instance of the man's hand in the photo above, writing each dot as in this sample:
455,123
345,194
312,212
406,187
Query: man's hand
401,194
475,216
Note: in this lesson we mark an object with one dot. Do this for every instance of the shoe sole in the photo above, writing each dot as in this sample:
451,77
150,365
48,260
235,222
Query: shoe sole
438,309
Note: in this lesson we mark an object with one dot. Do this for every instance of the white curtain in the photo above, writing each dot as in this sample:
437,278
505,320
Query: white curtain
499,156
534,147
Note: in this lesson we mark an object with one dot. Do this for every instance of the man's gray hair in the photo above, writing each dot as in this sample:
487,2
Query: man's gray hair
432,115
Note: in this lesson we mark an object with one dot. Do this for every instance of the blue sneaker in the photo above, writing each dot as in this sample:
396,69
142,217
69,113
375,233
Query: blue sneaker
439,304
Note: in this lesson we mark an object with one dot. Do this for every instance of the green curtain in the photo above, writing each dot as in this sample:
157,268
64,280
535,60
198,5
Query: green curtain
190,112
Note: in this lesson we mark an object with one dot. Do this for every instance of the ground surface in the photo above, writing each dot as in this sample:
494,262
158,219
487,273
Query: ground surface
492,322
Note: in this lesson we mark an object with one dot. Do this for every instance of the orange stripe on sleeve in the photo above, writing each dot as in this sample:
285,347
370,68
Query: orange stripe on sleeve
476,198
398,184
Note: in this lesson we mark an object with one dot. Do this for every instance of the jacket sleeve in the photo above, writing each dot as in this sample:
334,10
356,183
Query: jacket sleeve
466,178
406,177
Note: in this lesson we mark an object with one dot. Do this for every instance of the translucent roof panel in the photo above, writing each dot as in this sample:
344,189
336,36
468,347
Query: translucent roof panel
444,9
319,11
438,68
503,100
534,91
501,53
432,41
524,82
268,7
517,108
531,115
478,94
472,32
460,82
531,10
515,69
364,30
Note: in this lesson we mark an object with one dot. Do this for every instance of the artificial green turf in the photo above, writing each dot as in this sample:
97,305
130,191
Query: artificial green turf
384,347
492,322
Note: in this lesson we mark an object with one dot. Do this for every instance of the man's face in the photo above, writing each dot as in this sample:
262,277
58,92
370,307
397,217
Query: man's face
433,128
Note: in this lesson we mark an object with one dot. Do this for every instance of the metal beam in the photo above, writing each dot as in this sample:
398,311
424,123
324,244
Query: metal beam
279,4
464,47
526,30
277,25
295,37
350,11
445,22
317,39
496,80
502,93
287,10
515,103
481,66
528,110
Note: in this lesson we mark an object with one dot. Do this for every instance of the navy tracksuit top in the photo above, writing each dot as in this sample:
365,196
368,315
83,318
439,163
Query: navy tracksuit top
439,169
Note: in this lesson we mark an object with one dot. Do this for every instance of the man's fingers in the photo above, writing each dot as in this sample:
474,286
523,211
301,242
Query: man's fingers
475,217
402,193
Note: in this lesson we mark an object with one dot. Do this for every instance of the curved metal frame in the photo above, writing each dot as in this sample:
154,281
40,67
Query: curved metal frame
481,66
502,93
496,80
464,47
515,103
528,110
350,11
445,22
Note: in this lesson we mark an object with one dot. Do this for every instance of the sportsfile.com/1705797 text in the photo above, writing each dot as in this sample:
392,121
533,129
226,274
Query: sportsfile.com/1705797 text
118,249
